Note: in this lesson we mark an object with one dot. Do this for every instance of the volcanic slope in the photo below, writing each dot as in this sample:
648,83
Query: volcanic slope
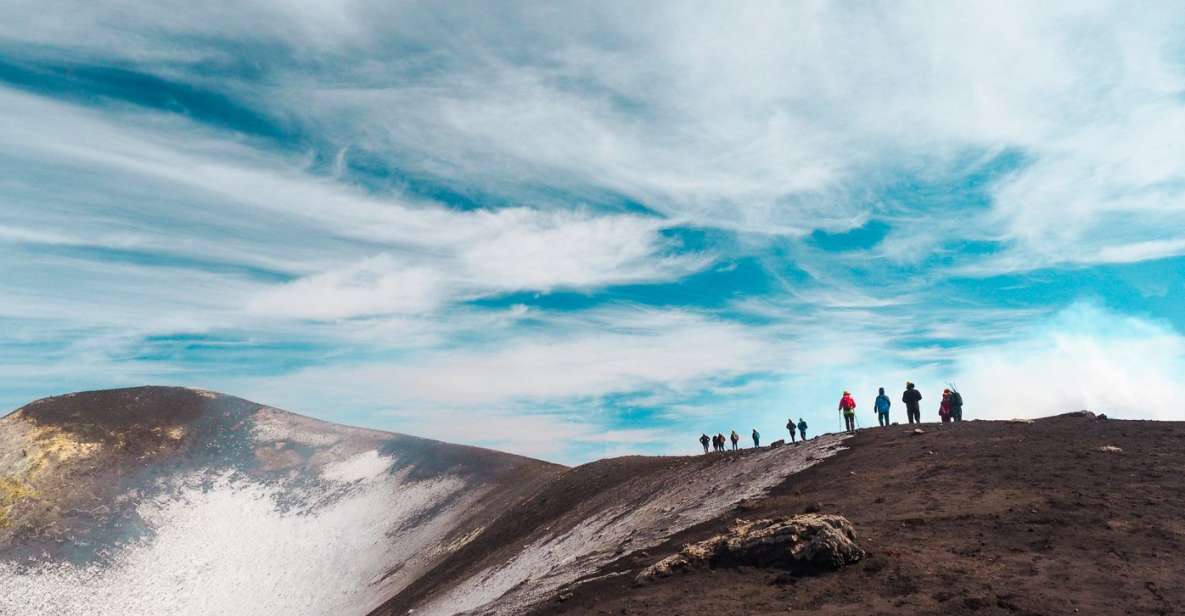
159,500
1063,515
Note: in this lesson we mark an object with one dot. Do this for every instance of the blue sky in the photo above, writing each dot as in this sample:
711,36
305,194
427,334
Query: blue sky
580,230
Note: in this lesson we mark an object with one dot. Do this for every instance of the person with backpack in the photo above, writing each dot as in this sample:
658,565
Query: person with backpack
956,405
912,399
881,407
703,440
847,406
790,427
756,438
723,442
944,406
802,429
735,438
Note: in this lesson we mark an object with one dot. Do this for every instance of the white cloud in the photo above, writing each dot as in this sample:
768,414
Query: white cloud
771,119
1085,358
430,255
584,357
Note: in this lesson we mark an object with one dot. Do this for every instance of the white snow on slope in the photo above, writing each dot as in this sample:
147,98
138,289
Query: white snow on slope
231,550
366,466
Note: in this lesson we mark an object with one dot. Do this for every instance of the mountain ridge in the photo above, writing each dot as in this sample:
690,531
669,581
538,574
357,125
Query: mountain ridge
143,500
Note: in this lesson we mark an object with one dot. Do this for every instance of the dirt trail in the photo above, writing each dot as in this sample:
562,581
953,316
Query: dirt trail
974,518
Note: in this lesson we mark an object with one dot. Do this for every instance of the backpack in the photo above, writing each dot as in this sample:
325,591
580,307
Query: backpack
956,399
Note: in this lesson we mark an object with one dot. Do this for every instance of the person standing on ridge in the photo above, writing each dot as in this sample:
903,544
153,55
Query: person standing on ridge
956,404
735,438
723,441
802,429
790,427
882,408
756,438
944,406
703,440
847,406
912,399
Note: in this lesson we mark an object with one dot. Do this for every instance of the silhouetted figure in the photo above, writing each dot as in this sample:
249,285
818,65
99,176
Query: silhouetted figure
882,408
735,438
723,442
912,399
756,438
802,429
847,406
790,427
944,406
703,440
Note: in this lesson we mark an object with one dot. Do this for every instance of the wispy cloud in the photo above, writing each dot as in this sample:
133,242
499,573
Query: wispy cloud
614,222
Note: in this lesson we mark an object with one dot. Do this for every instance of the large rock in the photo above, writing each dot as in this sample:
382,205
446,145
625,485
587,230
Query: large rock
804,544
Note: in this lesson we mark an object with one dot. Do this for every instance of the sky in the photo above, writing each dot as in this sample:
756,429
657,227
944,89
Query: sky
583,229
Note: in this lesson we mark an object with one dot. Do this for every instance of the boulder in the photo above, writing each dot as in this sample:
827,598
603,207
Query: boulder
802,544
777,443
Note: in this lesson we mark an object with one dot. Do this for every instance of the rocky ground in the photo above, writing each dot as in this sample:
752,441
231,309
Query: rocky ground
1070,514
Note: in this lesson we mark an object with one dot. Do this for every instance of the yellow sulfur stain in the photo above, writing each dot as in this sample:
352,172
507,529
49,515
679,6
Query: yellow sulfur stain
52,446
11,492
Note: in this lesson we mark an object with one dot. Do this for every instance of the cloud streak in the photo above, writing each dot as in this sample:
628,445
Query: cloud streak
614,220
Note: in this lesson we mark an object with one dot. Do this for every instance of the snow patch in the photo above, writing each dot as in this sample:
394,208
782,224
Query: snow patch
366,466
228,549
272,425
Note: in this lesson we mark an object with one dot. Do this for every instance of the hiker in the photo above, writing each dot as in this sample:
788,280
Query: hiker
802,429
723,446
756,438
735,438
847,406
912,398
956,404
703,440
882,408
790,427
944,406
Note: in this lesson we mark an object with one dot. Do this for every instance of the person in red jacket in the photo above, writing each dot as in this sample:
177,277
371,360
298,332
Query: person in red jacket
847,406
944,406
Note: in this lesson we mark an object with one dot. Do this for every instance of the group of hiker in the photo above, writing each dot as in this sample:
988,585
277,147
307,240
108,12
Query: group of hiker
949,409
720,442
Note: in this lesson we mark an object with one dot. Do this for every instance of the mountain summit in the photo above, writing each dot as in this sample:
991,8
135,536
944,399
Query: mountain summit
159,500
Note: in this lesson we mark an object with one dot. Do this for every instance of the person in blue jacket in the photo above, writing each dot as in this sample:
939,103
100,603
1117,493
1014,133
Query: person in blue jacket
802,428
756,438
881,406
